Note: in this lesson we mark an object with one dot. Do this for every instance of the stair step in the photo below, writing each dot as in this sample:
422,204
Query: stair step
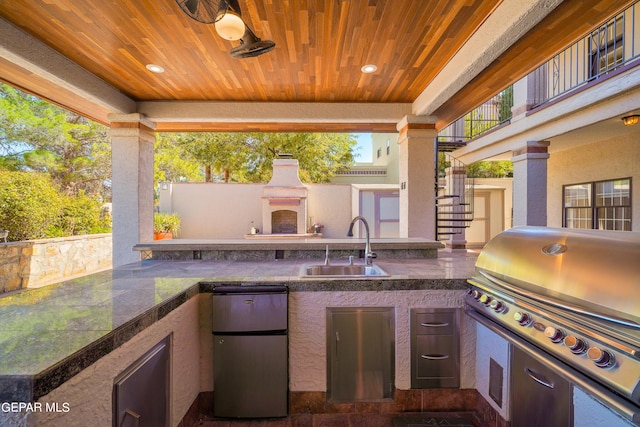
451,204
447,146
453,227
455,213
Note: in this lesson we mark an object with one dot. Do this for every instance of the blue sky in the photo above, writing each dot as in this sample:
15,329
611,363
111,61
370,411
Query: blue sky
364,153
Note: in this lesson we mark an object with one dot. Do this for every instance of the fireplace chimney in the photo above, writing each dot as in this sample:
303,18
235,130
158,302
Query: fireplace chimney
287,195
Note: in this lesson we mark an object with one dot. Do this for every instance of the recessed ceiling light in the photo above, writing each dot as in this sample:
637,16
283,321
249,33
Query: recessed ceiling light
369,68
155,68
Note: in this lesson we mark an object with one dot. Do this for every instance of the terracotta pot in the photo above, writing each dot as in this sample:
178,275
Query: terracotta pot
162,236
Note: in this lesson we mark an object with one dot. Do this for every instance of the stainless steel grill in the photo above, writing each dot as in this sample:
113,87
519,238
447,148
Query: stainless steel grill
575,295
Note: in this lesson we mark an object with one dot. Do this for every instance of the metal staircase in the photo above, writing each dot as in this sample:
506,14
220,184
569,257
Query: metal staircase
454,192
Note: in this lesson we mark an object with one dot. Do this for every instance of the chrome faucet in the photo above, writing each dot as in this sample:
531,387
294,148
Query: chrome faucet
368,255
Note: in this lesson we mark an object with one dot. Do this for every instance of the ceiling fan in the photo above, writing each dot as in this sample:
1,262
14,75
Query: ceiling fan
226,16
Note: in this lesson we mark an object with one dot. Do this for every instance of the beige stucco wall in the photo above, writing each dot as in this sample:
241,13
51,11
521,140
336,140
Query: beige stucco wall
225,211
35,263
605,160
308,341
89,394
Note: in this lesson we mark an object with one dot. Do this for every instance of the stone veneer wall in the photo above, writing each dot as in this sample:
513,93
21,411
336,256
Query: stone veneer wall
35,263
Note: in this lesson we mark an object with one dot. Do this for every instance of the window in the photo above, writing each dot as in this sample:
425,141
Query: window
388,147
379,153
602,205
606,47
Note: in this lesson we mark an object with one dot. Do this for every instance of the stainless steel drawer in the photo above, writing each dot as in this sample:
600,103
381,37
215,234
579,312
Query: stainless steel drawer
436,359
435,348
435,323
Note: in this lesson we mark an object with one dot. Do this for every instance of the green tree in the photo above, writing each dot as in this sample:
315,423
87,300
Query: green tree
38,136
248,157
490,169
29,204
219,153
170,164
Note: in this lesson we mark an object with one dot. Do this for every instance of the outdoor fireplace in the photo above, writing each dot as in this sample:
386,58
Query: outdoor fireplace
284,222
284,200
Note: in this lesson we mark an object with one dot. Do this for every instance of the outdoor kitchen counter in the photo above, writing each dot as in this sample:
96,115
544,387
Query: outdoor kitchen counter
269,247
50,334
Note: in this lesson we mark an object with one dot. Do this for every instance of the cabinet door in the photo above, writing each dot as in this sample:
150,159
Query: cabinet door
360,359
250,376
540,396
141,393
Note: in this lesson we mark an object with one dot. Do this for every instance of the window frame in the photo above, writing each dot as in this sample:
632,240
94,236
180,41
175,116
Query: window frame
606,47
593,206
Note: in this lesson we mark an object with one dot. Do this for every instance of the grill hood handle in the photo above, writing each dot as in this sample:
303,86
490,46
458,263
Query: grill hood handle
557,303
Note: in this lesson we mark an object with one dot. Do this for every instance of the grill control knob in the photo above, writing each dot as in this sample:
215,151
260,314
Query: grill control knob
476,294
523,318
601,358
576,345
485,299
497,306
555,335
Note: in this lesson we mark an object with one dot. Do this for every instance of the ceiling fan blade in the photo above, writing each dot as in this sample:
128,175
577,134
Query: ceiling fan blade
192,5
251,45
235,6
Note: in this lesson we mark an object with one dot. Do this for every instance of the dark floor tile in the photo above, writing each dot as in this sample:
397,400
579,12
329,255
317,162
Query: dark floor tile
331,420
434,420
371,420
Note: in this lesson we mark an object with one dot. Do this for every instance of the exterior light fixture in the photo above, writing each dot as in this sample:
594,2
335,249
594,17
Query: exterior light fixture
369,68
631,120
227,20
155,68
230,26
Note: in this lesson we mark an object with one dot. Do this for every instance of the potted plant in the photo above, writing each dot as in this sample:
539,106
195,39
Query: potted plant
165,225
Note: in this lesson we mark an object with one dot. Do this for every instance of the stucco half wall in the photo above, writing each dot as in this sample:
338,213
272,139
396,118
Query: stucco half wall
226,211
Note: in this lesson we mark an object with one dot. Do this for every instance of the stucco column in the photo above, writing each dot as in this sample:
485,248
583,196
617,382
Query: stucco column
530,184
132,139
416,143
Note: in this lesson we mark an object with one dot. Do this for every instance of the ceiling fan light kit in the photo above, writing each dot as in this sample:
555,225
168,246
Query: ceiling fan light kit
230,26
227,19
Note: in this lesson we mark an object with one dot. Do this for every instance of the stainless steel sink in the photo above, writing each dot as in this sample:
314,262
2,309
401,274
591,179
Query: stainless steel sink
342,270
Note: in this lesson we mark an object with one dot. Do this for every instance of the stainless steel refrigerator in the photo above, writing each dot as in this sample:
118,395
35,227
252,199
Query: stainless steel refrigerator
250,355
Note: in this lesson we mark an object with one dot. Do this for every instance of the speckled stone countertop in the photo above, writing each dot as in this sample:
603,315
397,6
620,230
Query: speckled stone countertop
266,248
48,335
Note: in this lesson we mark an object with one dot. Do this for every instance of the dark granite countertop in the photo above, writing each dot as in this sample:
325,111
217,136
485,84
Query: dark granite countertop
49,334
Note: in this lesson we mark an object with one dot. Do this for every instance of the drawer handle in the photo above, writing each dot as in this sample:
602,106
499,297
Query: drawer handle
434,325
132,414
248,301
435,356
540,379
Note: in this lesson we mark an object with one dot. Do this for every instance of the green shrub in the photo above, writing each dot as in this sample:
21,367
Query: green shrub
29,205
80,215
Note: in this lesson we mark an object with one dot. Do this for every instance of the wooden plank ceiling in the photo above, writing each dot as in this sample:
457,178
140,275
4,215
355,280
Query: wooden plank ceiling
321,46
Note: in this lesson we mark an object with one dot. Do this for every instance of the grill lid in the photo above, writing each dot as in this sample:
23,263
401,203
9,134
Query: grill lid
598,271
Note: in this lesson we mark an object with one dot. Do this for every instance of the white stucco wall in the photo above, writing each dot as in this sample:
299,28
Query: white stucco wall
492,346
307,332
330,205
605,160
225,211
89,394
